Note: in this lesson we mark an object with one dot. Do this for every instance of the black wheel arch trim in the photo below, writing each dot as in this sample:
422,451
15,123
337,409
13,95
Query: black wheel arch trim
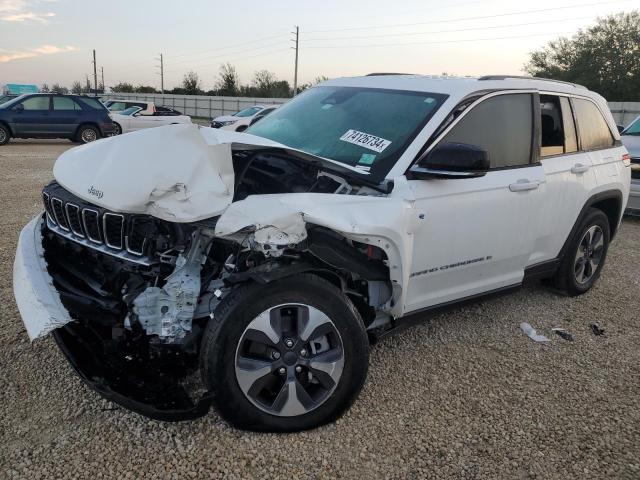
594,199
8,127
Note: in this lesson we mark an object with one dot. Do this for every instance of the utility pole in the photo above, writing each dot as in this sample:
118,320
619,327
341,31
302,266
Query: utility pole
95,74
102,74
88,84
295,75
161,73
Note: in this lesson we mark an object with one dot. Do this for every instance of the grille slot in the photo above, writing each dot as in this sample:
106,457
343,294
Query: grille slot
91,222
46,199
136,240
113,229
58,212
75,222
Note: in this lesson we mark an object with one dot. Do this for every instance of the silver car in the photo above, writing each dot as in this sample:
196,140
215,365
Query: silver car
631,139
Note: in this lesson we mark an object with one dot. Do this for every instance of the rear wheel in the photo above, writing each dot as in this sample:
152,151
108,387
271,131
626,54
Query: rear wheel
117,130
585,257
286,356
87,134
5,135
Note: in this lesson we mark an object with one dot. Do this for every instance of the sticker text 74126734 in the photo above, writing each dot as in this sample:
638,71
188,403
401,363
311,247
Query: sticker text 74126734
365,140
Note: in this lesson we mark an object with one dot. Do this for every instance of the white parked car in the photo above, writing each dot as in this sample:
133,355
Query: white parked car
631,139
264,262
243,119
133,119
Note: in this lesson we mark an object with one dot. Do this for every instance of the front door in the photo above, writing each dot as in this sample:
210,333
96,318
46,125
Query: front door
476,235
33,118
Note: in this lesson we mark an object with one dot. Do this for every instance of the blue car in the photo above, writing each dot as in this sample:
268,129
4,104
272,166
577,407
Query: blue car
48,115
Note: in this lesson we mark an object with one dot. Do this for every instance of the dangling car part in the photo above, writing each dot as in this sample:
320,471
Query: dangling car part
182,267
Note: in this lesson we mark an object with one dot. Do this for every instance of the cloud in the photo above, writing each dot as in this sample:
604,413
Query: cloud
21,11
35,52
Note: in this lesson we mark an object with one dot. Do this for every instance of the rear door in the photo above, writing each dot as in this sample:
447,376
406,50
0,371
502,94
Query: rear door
65,115
34,118
476,235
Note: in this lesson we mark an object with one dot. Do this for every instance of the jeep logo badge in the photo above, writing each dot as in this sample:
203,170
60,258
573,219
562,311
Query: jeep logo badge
94,192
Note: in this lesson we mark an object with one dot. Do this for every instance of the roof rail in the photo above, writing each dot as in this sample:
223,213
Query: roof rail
378,74
523,77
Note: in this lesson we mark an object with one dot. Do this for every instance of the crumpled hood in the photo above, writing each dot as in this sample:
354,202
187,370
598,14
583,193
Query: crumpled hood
170,172
181,173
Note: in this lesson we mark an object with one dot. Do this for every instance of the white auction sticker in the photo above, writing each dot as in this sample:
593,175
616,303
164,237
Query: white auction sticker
365,140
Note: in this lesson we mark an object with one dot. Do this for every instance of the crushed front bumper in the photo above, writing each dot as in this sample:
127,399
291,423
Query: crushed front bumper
150,389
37,299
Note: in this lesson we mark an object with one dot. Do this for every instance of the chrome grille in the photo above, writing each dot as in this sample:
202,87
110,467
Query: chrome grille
111,233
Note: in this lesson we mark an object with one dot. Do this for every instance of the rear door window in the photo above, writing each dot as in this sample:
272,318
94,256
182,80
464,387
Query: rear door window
592,127
65,103
557,129
501,125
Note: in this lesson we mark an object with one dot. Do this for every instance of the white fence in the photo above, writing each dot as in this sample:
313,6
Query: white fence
206,106
203,106
624,112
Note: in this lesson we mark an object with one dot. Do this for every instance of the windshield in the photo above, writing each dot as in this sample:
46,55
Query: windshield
367,128
633,129
130,111
247,112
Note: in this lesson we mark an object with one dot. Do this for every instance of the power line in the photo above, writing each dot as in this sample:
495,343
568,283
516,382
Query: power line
445,31
462,19
200,52
234,53
438,41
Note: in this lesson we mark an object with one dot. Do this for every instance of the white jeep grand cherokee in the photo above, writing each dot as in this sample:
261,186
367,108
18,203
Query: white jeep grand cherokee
180,267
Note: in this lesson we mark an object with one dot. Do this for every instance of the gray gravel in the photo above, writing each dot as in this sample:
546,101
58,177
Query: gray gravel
466,395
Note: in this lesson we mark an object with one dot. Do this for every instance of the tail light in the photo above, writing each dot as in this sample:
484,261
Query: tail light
626,159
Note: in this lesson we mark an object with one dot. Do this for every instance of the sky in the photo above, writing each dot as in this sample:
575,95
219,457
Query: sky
52,40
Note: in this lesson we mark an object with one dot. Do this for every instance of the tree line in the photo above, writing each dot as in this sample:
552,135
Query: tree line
263,84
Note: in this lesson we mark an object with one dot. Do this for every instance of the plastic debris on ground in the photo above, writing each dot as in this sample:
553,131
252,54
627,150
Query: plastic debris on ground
596,330
531,332
562,333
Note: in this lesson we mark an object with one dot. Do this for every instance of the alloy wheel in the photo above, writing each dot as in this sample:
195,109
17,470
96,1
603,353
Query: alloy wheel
289,360
588,254
88,135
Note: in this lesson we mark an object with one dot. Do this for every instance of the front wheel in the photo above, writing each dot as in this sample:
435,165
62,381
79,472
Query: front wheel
585,256
286,356
117,130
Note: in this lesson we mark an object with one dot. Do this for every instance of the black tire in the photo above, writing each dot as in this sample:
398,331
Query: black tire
117,129
5,135
231,318
87,134
566,278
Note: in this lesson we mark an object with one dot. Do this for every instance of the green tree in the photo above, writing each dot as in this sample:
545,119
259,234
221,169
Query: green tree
191,83
123,87
227,82
145,89
604,58
77,88
57,88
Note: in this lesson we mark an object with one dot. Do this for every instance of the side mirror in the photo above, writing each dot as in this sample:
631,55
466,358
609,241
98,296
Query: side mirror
18,108
452,160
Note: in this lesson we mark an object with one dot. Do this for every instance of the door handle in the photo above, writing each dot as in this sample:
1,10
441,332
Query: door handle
523,184
579,168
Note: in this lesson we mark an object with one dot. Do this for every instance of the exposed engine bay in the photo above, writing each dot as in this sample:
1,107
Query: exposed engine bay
141,289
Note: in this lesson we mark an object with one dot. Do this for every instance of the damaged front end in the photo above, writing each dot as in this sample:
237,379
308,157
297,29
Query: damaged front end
128,294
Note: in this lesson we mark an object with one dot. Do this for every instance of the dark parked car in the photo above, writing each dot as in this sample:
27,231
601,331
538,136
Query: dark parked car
81,119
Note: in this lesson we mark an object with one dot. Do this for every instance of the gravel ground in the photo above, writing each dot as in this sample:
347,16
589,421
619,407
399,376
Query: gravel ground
466,395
